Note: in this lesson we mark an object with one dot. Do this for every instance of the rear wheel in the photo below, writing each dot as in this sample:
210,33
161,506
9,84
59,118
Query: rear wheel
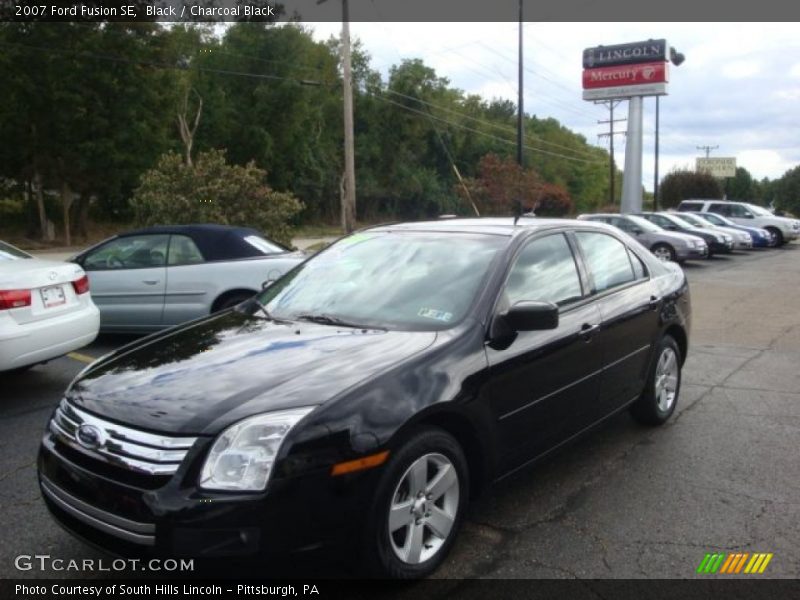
664,252
230,300
420,502
660,395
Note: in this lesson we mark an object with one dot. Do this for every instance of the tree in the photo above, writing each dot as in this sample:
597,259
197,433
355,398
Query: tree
681,185
786,191
213,191
741,186
552,201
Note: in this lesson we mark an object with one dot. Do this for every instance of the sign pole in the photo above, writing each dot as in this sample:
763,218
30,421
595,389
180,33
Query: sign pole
632,178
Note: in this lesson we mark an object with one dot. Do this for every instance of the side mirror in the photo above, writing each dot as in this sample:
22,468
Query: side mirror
267,283
532,316
748,215
636,231
672,227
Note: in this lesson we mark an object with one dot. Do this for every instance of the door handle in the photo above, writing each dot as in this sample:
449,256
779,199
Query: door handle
150,281
588,330
653,304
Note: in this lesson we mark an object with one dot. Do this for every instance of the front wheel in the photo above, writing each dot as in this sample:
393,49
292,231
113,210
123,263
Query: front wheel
777,234
420,502
664,252
657,402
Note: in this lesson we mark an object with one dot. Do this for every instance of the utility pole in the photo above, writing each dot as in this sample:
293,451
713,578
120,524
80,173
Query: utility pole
707,149
349,197
611,133
520,110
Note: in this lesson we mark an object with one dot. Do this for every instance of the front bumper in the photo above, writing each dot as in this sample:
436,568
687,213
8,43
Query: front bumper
142,515
688,253
721,247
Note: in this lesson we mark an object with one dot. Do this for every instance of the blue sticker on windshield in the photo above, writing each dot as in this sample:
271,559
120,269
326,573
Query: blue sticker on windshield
439,315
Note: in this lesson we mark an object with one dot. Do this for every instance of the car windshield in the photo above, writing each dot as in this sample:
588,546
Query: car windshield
8,252
759,210
643,224
392,280
715,219
694,220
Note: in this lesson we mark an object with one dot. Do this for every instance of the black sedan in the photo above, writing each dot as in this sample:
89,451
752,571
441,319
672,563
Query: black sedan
364,397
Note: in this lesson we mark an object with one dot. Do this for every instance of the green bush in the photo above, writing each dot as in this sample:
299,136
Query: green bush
213,191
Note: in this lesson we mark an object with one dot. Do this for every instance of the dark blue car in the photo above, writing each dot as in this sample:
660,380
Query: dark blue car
762,238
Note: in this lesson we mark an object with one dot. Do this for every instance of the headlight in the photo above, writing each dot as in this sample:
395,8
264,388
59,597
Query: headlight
242,456
726,237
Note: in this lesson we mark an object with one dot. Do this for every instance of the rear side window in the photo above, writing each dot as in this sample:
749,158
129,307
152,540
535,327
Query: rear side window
606,258
183,251
720,209
545,270
690,206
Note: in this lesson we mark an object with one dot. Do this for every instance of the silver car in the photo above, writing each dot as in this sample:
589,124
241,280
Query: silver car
665,245
741,239
157,277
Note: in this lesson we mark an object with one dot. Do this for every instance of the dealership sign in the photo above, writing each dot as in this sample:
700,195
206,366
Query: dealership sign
625,54
625,70
626,91
718,166
636,74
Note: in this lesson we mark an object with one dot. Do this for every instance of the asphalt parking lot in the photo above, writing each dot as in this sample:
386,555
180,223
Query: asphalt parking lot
626,502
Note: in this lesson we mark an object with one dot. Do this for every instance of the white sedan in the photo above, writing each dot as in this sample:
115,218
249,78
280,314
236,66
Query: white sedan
46,310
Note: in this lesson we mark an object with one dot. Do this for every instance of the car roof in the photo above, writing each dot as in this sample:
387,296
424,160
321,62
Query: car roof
502,226
215,242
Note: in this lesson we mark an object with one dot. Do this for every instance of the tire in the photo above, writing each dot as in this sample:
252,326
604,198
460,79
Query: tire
664,252
778,234
660,395
413,546
231,300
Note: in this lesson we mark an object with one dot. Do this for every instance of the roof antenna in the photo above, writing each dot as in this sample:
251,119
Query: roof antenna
517,211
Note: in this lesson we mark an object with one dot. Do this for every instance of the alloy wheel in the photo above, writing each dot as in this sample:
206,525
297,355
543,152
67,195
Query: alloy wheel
666,380
423,509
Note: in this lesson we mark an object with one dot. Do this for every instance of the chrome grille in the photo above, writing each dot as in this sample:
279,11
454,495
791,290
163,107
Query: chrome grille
122,446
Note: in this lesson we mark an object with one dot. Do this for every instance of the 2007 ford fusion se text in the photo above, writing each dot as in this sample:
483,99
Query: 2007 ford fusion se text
358,402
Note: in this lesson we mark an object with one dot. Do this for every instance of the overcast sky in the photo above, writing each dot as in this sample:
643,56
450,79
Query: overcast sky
739,88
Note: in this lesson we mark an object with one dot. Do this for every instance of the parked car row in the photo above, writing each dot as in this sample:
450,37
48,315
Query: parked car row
140,281
700,229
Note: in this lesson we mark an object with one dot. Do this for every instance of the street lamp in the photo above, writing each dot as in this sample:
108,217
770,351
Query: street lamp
676,58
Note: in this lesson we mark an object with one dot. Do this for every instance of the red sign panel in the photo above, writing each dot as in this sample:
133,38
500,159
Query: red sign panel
636,74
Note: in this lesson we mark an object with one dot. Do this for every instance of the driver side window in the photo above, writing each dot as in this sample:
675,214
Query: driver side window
545,271
130,252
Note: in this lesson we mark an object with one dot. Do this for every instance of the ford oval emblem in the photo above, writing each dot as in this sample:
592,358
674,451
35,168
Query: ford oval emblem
89,436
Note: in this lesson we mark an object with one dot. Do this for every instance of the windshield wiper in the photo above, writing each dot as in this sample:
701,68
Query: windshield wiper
324,319
267,314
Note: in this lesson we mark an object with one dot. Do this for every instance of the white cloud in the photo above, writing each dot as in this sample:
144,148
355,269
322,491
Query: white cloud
741,69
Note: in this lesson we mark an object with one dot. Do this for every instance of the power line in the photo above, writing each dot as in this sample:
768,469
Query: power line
161,65
707,149
487,135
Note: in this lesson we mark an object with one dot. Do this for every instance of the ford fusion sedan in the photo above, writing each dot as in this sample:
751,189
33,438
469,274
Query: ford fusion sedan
741,239
717,241
45,309
761,238
665,245
362,399
154,278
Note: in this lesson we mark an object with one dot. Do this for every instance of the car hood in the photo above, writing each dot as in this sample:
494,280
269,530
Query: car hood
199,378
675,236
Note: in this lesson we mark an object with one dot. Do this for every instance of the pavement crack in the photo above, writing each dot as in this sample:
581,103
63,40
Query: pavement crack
17,469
